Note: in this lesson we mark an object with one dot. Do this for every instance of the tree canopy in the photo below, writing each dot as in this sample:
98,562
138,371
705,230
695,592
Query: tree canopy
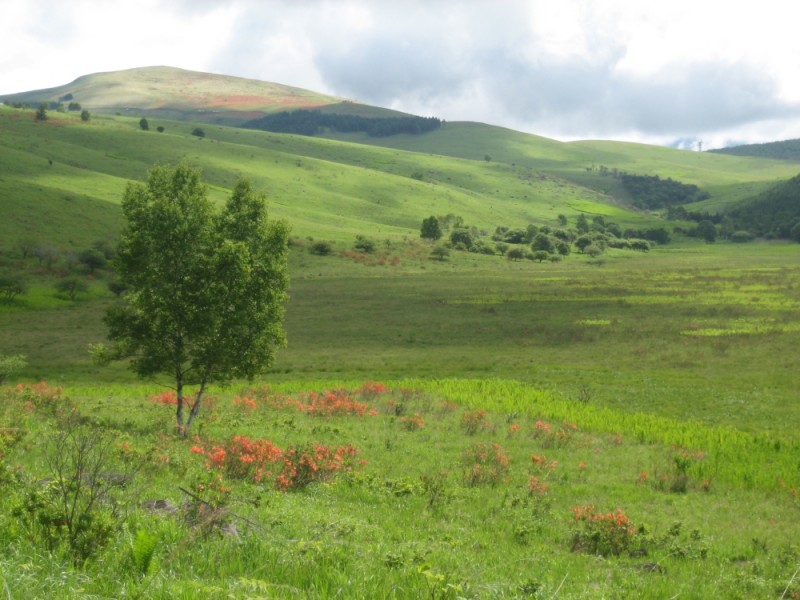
205,289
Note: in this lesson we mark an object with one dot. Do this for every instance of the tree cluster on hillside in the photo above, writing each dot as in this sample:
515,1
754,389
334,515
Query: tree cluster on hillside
311,122
652,192
774,213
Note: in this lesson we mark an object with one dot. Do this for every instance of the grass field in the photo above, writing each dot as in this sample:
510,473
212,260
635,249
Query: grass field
622,426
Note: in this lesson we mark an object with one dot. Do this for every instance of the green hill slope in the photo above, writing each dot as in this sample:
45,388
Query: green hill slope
61,178
171,93
57,172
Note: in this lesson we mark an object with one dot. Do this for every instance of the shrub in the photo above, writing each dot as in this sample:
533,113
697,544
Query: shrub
313,463
12,286
485,464
606,534
10,365
71,286
364,244
321,248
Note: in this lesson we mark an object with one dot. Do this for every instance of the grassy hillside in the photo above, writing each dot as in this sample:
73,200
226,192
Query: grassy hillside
324,188
728,179
171,93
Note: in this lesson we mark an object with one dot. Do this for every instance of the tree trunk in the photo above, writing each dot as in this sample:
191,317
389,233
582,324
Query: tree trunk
195,407
179,410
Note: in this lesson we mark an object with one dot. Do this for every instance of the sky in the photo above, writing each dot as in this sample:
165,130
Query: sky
684,73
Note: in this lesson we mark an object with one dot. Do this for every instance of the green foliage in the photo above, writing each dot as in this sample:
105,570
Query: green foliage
440,252
143,549
206,289
311,122
198,132
41,113
144,125
321,248
93,259
12,285
364,244
10,364
72,286
430,229
86,116
773,213
650,191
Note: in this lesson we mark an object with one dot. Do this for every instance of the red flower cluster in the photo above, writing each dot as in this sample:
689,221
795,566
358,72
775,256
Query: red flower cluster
259,459
604,533
473,421
412,423
485,464
313,463
168,398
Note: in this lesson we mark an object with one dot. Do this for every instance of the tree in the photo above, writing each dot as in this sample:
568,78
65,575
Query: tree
440,252
198,132
583,242
71,286
794,232
515,254
12,286
85,115
430,229
542,241
707,230
206,288
41,113
144,125
93,259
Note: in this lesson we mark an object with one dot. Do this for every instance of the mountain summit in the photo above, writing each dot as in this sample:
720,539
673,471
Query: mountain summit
172,93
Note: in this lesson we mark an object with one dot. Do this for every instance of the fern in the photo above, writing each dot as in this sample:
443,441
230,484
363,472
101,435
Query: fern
143,549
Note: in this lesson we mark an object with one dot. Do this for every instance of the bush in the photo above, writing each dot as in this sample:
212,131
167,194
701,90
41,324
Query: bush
12,286
321,248
364,244
440,252
10,365
71,286
606,534
198,132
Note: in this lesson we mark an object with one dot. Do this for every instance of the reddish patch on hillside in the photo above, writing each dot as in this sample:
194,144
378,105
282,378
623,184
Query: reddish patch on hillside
257,101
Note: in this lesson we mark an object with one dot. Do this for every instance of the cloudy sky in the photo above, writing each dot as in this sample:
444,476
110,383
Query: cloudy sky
664,72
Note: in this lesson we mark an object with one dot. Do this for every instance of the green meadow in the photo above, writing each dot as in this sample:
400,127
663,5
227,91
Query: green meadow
618,426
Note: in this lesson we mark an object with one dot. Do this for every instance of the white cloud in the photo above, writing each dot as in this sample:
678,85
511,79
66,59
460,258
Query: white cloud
624,69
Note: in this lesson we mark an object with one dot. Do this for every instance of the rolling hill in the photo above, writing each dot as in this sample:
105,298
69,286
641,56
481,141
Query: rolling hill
179,94
61,178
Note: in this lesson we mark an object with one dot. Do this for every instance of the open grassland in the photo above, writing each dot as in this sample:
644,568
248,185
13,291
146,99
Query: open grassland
622,426
404,489
708,333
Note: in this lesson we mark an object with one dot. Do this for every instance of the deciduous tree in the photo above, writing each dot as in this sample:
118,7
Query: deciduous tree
206,289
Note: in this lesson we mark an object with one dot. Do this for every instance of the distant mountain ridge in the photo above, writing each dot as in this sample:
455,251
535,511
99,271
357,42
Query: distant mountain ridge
180,94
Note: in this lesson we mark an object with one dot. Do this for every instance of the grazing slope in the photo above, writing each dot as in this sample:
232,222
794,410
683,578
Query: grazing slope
167,92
